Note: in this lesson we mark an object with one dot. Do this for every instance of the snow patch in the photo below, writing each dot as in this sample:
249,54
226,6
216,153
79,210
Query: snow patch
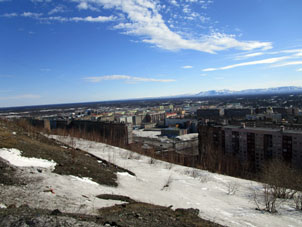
124,174
2,206
14,157
188,137
84,180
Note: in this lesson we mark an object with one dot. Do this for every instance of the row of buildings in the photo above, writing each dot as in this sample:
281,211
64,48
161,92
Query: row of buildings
269,113
252,145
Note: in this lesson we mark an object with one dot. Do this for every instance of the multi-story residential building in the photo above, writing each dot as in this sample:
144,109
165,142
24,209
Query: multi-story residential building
237,113
253,145
209,113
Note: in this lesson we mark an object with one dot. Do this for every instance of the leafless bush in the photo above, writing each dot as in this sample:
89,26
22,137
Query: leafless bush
204,178
137,157
266,200
152,161
280,184
124,155
283,181
232,188
192,173
130,155
298,200
111,157
71,142
169,166
168,183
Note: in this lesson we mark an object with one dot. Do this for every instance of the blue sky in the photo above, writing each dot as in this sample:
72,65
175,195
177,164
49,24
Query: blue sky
92,50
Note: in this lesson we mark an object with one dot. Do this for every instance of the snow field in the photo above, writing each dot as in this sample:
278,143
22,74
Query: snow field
222,199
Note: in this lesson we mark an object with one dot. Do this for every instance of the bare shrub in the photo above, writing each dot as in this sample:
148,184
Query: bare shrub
265,200
169,166
71,142
298,200
152,161
111,157
192,173
130,155
232,188
124,155
137,157
280,184
204,178
283,181
167,183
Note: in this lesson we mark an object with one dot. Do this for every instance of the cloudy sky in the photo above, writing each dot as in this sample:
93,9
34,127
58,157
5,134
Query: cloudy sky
68,51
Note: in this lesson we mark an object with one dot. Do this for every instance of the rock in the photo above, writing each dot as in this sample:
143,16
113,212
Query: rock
56,212
189,211
12,206
24,206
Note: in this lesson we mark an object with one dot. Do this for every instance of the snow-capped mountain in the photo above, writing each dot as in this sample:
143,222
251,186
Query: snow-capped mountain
276,90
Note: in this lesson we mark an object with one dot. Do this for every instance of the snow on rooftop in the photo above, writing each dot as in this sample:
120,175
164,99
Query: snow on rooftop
14,156
188,137
187,188
148,134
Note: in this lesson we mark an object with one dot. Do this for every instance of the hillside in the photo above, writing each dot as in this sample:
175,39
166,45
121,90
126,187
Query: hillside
44,182
225,200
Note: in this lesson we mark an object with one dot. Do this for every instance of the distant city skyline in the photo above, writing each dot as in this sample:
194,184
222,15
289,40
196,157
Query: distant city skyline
97,50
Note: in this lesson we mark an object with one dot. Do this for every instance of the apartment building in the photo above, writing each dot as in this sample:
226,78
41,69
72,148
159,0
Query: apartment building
253,145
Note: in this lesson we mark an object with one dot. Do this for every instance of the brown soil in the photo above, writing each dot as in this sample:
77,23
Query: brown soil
142,214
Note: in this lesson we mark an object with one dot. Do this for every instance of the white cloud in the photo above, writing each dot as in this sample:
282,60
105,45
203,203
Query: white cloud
98,19
299,51
40,1
299,70
31,14
93,19
9,15
57,9
251,55
97,79
187,67
85,6
259,62
288,63
295,52
174,2
144,19
56,18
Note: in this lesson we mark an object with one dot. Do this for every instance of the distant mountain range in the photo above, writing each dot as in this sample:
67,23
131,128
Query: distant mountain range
260,91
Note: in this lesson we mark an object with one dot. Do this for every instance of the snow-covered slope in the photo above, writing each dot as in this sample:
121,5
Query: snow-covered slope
166,184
